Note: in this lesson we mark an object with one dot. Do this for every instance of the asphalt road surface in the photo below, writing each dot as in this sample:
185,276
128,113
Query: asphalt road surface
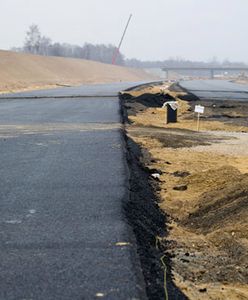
86,90
63,234
216,89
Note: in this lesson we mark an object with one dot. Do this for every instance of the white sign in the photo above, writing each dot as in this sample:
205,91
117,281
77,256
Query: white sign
173,105
199,109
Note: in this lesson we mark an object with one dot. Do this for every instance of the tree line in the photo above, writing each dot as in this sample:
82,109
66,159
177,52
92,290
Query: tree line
36,43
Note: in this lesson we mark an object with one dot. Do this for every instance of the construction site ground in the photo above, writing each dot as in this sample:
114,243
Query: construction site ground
202,186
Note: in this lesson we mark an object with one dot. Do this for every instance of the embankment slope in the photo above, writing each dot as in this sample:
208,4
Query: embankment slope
19,71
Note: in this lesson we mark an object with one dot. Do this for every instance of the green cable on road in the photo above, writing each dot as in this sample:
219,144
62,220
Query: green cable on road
165,277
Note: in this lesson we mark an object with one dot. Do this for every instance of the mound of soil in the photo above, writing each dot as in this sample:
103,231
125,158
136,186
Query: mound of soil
225,203
135,105
147,221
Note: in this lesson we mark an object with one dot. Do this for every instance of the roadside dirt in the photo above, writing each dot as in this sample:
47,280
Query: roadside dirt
202,186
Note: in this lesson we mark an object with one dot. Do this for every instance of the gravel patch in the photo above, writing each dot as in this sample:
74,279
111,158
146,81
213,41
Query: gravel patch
236,143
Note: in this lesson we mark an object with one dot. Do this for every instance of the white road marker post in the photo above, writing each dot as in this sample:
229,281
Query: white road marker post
199,109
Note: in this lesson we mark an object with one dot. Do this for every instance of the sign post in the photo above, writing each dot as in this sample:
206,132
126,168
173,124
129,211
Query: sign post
198,121
199,109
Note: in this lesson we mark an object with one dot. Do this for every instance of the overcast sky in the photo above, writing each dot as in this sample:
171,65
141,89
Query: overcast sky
190,29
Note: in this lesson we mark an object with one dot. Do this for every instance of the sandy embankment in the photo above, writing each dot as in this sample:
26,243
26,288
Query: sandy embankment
20,72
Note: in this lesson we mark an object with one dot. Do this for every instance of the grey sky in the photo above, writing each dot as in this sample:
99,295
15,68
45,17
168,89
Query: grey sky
191,29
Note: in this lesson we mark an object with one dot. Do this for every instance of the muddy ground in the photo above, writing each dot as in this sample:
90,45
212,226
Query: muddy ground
199,182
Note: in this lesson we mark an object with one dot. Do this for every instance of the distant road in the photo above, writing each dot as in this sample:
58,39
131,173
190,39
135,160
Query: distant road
216,89
63,233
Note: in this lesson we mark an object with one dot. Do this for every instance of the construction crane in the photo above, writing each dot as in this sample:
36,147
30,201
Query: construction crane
117,50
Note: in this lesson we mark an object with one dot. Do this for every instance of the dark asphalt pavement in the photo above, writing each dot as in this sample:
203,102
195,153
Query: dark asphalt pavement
63,234
86,90
216,89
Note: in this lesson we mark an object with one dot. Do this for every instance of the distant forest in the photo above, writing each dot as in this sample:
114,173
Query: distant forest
36,43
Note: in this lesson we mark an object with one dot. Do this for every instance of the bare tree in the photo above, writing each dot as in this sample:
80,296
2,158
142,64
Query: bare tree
33,39
45,45
36,43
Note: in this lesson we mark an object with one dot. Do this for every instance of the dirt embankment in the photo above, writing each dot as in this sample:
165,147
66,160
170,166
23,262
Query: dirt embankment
202,182
19,72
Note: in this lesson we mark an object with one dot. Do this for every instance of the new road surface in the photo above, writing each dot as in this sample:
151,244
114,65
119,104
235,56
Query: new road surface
64,178
216,89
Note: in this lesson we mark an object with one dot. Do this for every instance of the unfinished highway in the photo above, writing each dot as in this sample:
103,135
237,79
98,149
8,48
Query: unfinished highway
216,89
64,178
